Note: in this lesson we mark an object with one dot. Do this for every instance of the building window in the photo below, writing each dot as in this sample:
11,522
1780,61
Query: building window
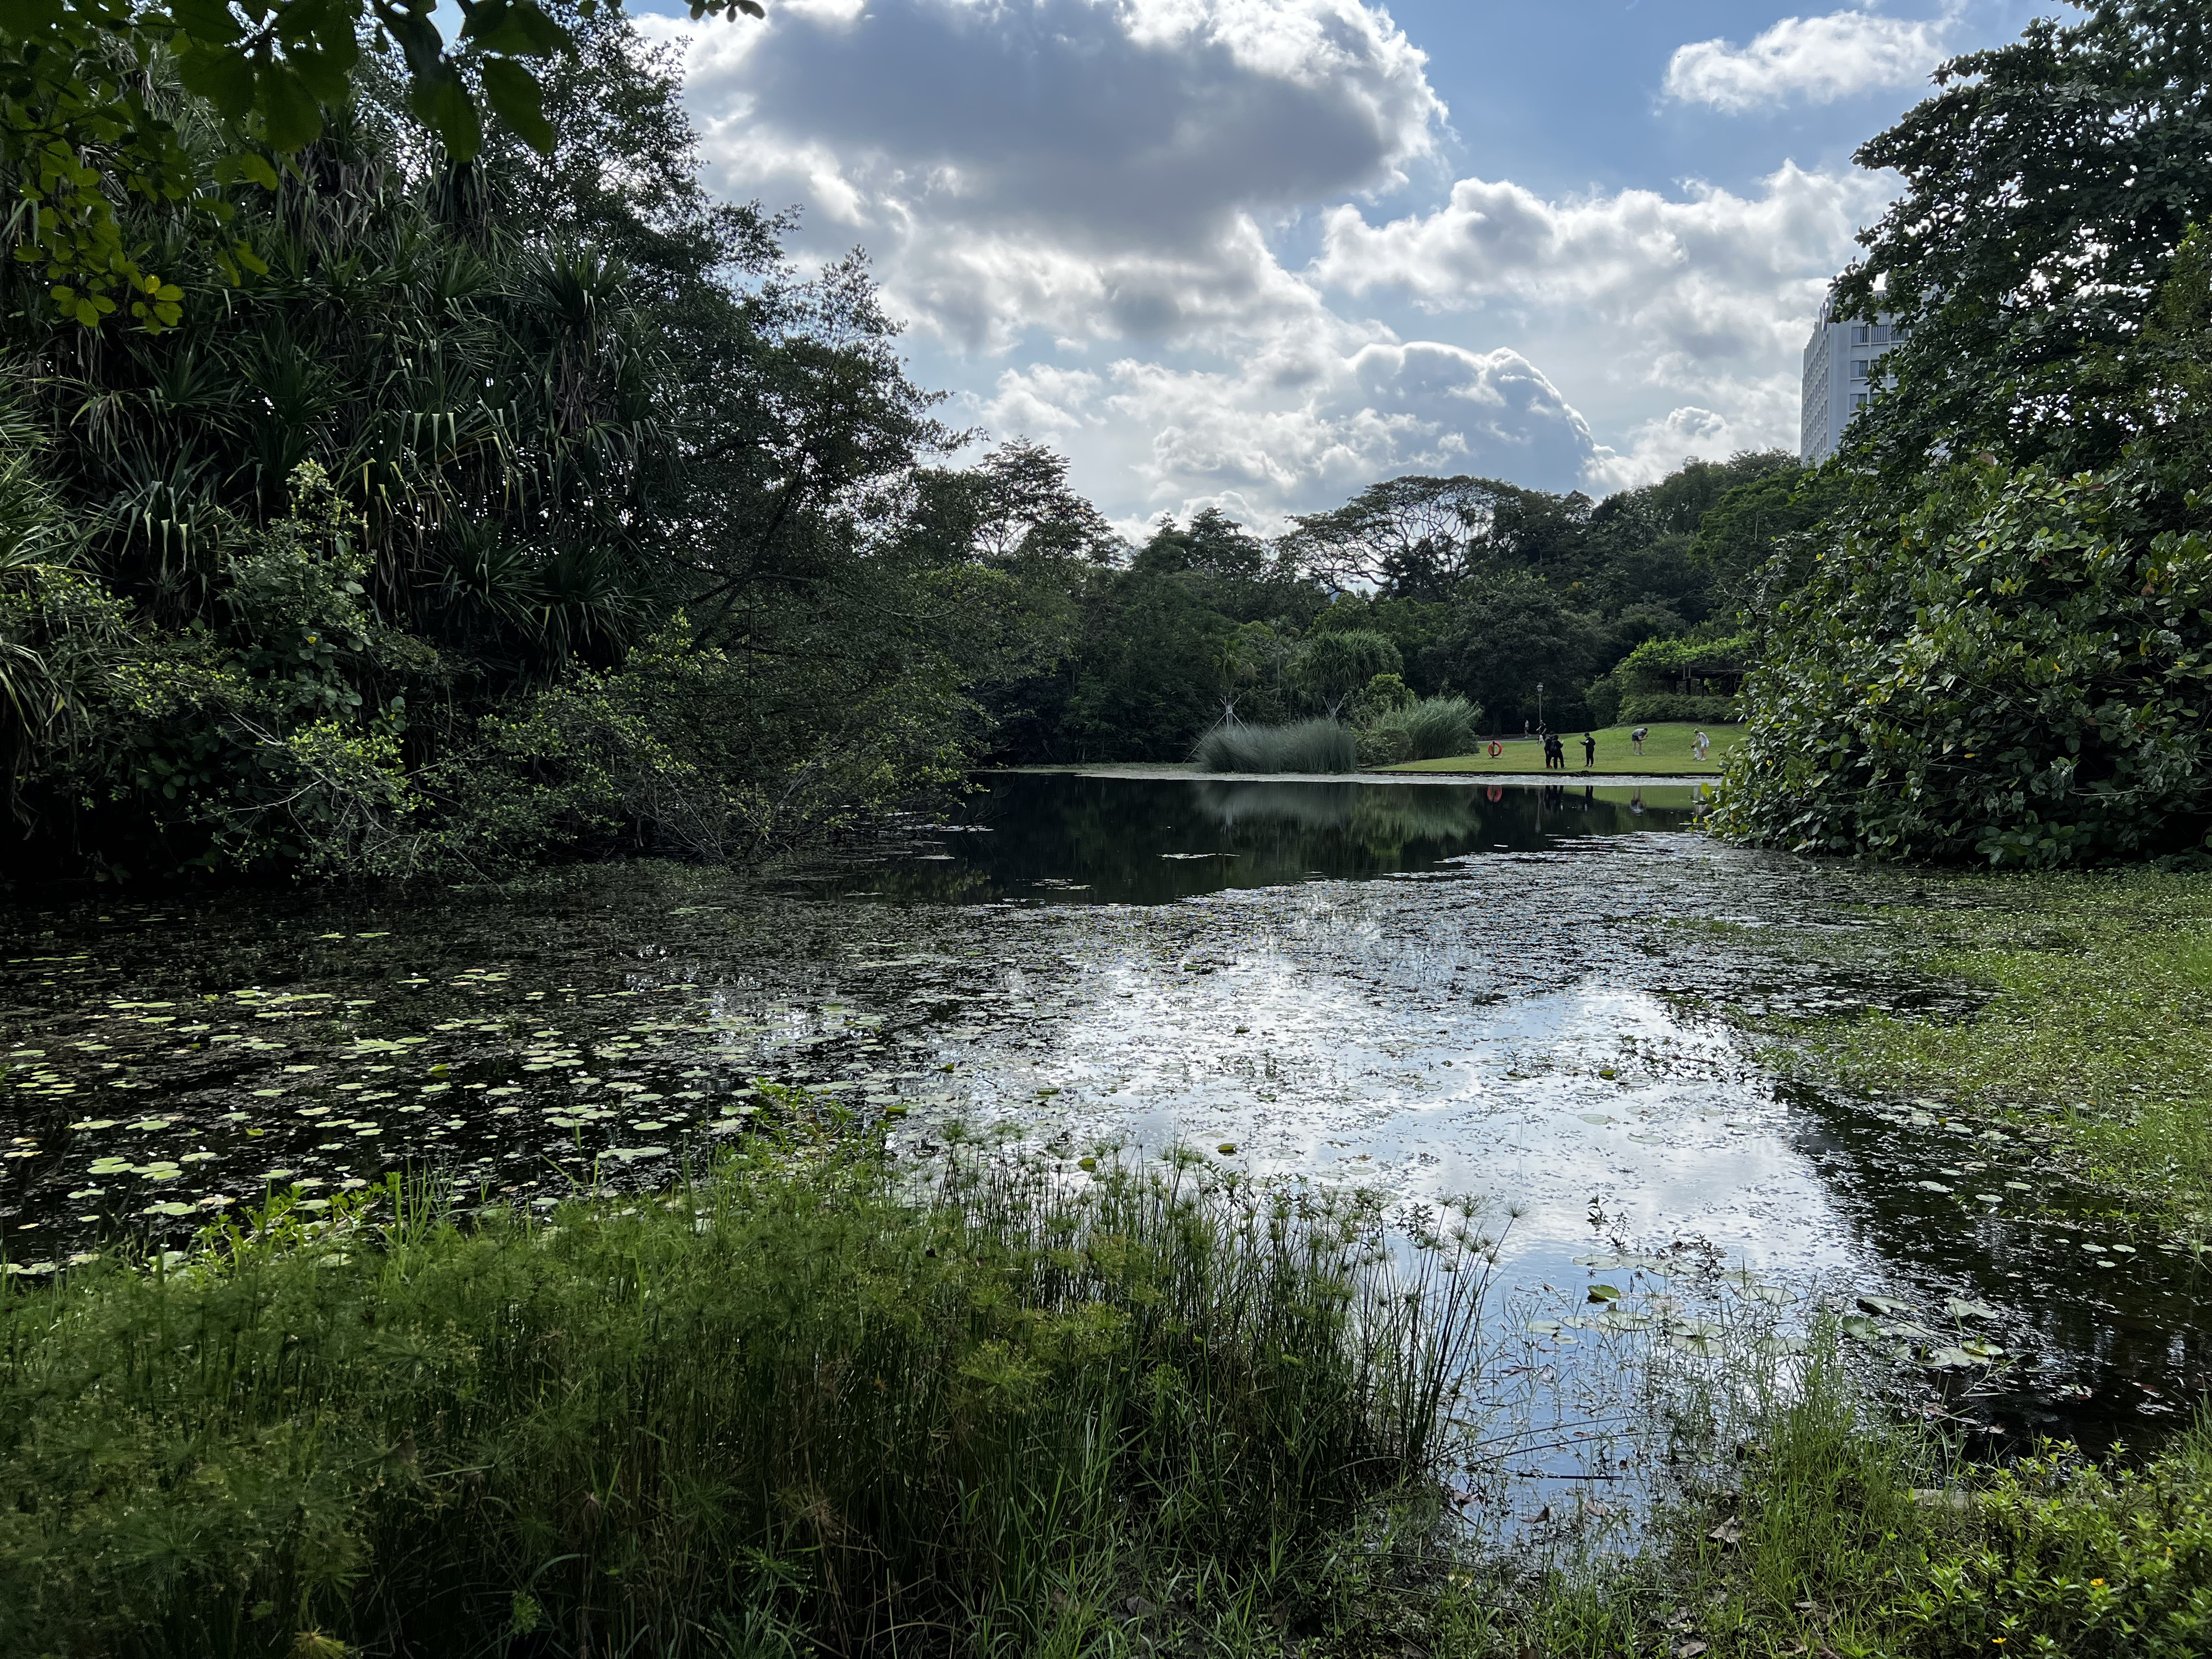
1859,367
1859,399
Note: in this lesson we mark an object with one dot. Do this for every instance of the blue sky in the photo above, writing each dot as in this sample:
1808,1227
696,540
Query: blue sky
1258,254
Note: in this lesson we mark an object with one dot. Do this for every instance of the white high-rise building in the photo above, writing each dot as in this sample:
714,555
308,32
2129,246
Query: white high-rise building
1840,378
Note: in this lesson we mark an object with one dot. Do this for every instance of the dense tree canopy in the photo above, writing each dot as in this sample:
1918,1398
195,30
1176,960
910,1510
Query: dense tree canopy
585,519
1993,646
2049,182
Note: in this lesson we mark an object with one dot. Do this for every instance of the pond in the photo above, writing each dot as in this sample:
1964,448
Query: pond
1520,995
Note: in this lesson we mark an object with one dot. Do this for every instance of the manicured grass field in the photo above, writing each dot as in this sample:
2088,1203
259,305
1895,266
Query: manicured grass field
1666,754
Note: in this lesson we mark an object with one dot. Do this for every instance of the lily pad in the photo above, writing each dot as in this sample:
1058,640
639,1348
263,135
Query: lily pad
1959,1309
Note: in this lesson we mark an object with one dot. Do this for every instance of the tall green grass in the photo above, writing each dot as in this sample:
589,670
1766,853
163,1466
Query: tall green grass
1315,746
798,1406
1431,729
1834,1528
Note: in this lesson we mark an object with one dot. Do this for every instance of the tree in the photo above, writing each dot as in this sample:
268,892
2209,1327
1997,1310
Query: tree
2021,675
1509,632
1332,665
648,551
2049,184
1410,537
91,114
1747,528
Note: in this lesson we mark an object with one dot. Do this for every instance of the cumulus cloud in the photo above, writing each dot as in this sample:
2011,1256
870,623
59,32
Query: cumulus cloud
1305,424
1088,168
1657,446
1706,293
1077,205
1818,59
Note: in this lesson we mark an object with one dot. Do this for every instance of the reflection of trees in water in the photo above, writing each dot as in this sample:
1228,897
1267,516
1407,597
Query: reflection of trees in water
1299,805
1381,819
1153,841
1400,812
1391,817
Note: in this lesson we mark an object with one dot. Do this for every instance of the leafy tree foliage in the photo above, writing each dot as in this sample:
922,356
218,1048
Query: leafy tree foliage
2048,185
89,121
1995,651
1458,585
2024,675
597,526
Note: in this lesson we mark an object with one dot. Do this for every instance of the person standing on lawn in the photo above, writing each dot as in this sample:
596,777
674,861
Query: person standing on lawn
1637,736
1590,750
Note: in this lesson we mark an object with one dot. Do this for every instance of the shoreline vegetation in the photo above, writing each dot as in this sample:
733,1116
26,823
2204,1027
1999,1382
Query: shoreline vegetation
812,1404
2095,1016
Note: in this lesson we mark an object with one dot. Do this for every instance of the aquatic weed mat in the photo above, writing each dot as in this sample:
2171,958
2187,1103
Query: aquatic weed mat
1534,1026
2075,1008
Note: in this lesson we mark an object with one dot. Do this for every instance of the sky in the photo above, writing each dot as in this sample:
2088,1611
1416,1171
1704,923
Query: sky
1258,254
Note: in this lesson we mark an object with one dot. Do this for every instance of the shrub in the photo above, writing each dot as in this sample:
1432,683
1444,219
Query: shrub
1432,728
1316,746
2020,675
1384,746
1382,695
1650,707
800,1407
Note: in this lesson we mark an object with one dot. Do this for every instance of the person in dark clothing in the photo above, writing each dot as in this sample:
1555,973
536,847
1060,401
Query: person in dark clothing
1590,750
1555,753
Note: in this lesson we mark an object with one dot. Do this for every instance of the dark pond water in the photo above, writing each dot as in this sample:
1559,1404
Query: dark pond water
1514,994
1071,839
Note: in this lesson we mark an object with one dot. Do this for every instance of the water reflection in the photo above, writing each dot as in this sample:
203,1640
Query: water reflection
1070,839
1512,997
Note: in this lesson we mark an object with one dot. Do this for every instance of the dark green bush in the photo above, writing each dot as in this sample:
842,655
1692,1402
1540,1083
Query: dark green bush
2020,674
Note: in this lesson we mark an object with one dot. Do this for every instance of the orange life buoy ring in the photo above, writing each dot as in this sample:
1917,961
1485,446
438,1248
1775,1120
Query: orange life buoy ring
1496,749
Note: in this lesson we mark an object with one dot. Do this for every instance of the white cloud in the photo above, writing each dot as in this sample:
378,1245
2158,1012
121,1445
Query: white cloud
1306,423
1705,295
1077,206
1092,168
1819,59
1657,446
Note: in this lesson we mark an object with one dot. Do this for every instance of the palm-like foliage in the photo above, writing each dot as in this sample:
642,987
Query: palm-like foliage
564,409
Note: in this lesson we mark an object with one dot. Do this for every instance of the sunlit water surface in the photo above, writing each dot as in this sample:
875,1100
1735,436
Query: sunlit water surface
1432,990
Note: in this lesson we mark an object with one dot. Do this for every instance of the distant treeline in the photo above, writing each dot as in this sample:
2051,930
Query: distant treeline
1526,603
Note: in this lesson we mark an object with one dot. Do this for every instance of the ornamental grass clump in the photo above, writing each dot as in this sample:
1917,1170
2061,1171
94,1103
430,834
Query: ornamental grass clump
803,1405
1433,728
1315,746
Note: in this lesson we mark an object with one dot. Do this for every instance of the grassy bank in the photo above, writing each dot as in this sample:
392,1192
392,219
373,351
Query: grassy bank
2096,1017
1841,1535
800,1407
1666,753
794,1408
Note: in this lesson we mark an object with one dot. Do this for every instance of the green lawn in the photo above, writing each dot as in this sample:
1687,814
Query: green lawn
1666,754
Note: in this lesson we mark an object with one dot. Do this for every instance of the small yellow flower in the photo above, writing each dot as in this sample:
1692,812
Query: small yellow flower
2096,1584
